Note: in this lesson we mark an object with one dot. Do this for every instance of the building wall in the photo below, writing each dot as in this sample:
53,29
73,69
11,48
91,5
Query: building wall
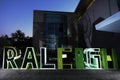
37,30
100,10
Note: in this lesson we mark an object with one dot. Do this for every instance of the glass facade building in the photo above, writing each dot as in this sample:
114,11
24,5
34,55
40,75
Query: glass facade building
50,29
55,30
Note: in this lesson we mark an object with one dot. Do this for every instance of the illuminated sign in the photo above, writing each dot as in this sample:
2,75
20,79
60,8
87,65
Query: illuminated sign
67,58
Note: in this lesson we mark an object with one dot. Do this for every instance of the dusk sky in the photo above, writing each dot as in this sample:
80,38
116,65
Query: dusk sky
18,14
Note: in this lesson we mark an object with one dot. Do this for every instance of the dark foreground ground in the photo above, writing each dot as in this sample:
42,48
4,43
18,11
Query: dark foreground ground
59,74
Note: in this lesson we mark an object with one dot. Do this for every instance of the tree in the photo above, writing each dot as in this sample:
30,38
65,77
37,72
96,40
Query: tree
4,41
19,40
18,36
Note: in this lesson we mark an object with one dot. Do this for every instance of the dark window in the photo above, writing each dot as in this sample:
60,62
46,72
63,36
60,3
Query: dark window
118,2
61,29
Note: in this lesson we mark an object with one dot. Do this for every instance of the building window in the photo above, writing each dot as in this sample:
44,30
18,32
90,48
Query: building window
61,29
118,3
54,29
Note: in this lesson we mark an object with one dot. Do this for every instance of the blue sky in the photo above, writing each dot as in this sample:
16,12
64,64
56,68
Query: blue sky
18,14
